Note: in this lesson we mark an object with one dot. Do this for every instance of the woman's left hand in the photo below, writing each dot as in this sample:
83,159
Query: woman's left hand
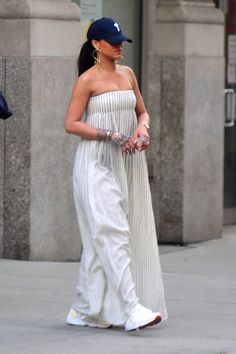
141,138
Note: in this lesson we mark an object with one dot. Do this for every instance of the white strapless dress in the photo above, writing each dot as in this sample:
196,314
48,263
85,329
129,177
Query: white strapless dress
113,204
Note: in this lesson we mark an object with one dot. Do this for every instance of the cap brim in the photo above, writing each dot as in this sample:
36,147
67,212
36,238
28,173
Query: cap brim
118,39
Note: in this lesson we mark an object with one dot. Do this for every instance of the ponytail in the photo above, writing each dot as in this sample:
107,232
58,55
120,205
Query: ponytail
85,59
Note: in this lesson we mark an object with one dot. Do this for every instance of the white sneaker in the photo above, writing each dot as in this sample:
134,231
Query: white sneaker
142,317
76,319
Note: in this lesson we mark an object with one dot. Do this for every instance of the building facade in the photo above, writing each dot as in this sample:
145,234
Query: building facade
178,55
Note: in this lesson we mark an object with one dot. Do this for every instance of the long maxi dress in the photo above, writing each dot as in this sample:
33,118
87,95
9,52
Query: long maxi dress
120,258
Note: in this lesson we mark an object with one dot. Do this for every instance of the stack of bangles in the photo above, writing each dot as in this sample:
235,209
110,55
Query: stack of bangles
120,139
117,138
103,134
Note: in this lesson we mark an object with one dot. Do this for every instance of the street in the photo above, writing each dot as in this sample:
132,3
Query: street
200,287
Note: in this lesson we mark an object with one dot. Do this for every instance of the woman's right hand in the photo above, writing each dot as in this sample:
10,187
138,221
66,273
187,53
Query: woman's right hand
126,142
129,146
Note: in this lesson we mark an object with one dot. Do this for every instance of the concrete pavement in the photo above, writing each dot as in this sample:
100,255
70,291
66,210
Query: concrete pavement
200,286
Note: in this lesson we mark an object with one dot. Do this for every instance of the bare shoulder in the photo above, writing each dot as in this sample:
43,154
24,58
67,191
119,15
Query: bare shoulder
85,82
128,72
89,74
126,69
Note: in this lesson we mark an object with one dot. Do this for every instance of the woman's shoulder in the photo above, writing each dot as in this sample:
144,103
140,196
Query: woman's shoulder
126,69
128,73
88,75
86,80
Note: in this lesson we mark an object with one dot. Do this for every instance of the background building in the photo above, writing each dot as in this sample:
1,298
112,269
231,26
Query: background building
178,55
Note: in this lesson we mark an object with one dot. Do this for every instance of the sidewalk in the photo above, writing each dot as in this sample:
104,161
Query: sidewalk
200,286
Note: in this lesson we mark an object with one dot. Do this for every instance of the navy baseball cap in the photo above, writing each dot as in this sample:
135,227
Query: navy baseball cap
108,29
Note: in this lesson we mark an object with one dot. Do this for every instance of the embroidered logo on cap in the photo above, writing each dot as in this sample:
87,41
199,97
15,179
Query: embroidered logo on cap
117,26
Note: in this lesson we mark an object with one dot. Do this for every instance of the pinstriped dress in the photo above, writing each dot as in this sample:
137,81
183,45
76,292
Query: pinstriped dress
115,216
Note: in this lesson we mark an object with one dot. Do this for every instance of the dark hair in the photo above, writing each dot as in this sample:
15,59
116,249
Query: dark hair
85,59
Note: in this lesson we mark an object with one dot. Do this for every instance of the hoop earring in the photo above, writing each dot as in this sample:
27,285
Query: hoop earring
94,54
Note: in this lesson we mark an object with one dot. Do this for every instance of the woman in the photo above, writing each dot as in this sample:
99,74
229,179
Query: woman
111,190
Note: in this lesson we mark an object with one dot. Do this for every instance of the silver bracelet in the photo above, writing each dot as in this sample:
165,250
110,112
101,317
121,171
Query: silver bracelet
104,134
115,137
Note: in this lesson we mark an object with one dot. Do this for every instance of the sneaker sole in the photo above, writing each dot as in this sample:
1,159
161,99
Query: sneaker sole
156,320
79,322
75,322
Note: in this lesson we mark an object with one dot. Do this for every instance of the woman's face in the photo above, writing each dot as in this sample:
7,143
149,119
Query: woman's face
111,51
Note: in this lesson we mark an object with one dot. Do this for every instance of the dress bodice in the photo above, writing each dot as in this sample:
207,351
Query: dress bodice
111,101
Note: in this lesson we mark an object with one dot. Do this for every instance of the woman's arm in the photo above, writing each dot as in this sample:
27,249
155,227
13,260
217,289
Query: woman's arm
79,99
142,115
73,125
140,109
